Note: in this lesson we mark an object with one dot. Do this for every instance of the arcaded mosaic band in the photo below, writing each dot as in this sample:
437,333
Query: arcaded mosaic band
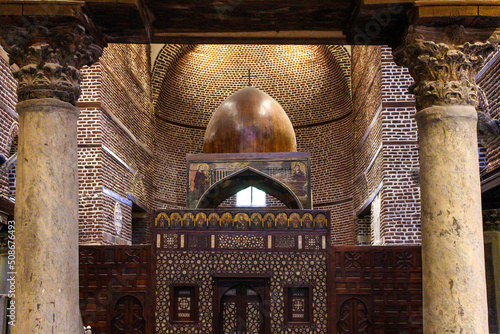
243,220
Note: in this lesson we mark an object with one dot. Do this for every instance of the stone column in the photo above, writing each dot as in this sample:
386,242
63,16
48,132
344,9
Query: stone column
46,212
444,62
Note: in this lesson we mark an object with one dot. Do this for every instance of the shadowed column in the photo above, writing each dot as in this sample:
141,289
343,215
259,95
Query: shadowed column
46,210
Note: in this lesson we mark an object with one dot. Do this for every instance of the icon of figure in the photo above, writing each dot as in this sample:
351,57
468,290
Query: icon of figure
320,221
201,220
256,221
188,220
241,221
200,181
298,175
162,220
281,220
227,220
298,179
307,220
176,220
213,220
269,220
295,220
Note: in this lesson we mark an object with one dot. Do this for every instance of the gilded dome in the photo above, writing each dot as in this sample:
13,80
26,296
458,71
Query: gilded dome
249,121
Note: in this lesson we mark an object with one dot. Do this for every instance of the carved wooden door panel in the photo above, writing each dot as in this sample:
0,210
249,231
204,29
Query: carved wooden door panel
353,317
241,311
128,317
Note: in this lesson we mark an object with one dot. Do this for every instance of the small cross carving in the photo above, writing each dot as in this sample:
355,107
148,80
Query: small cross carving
249,77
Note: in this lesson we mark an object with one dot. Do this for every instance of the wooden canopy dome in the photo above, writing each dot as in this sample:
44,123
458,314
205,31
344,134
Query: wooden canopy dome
249,121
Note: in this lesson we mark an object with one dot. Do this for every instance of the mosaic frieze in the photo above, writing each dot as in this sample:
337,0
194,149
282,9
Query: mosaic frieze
250,240
284,269
243,219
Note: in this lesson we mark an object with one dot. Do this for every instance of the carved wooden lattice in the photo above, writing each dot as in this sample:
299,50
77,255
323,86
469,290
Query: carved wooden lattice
128,317
376,289
229,317
115,289
254,319
353,317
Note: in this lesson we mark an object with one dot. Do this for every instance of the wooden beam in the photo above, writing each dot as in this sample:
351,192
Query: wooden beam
146,18
456,2
261,37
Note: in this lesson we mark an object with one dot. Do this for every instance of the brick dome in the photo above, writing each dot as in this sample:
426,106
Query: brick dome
250,121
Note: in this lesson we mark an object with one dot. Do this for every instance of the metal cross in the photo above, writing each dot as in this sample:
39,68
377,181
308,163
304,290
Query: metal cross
249,77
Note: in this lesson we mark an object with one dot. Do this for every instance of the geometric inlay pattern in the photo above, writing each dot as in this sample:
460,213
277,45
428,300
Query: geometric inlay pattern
198,267
254,319
241,241
229,316
170,240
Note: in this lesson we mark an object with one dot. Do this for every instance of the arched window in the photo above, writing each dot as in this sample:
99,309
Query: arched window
251,197
244,179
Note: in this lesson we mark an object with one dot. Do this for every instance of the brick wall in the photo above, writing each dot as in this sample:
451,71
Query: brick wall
488,81
368,156
359,147
309,82
400,206
115,138
386,150
9,127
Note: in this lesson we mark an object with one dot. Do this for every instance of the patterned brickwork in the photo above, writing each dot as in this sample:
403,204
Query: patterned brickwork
90,174
488,81
115,138
366,86
308,81
364,230
395,79
90,194
356,146
165,60
92,83
386,150
9,126
400,206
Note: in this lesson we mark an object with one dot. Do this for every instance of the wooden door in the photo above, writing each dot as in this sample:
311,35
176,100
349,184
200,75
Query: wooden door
240,309
128,317
353,318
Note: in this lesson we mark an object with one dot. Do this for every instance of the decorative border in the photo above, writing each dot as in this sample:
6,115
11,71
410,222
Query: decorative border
242,220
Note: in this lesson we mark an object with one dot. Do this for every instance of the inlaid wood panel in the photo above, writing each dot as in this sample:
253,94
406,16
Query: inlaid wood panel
375,290
116,289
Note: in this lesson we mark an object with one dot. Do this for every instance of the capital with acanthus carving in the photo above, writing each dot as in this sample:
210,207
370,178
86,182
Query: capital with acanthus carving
49,60
444,62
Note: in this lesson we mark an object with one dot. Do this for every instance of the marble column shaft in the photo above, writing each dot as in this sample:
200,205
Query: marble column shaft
454,288
46,212
444,61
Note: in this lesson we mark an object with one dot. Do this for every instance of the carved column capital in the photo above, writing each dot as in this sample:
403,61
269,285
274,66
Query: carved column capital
444,62
49,60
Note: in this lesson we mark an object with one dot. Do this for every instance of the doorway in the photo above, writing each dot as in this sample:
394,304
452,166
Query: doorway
241,306
128,317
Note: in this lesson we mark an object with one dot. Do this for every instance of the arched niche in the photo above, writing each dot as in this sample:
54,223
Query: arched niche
247,177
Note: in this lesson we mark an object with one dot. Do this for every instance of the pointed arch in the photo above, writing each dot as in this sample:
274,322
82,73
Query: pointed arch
247,177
